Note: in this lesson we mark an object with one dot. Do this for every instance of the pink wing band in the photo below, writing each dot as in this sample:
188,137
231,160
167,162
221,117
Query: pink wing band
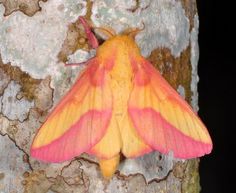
155,131
82,135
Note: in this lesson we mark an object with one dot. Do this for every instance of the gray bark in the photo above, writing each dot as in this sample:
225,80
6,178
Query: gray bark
35,41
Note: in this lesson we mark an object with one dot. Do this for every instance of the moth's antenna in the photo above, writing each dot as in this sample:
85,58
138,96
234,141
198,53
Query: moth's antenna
132,32
105,32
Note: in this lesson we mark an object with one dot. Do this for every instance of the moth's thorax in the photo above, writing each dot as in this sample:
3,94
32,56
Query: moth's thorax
120,43
116,54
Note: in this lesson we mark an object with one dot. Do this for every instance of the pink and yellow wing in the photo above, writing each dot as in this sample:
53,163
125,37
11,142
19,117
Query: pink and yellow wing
79,121
162,118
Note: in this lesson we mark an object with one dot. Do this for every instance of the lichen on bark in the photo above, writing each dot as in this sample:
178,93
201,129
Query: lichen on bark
36,66
28,7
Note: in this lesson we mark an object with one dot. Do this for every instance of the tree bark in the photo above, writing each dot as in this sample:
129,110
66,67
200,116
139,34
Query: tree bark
33,78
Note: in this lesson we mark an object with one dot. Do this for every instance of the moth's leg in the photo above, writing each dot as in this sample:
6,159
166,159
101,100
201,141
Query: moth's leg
77,64
90,35
85,63
91,39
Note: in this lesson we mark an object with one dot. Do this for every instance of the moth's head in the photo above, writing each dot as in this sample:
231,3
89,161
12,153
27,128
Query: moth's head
106,33
124,42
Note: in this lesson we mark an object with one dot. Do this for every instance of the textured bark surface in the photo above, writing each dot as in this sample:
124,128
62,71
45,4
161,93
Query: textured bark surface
28,7
33,47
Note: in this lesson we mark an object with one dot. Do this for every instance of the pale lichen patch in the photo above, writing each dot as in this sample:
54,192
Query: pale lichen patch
9,101
170,184
152,166
181,91
194,63
39,38
5,124
81,56
12,166
169,29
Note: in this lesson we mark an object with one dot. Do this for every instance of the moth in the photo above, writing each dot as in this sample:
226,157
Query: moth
120,104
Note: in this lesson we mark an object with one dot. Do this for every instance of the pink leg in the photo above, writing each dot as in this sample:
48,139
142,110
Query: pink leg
79,64
76,64
91,37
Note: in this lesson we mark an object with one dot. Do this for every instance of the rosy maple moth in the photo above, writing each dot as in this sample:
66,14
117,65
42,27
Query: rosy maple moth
120,104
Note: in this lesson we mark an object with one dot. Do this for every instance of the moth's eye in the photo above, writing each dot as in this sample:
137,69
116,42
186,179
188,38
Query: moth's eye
100,39
104,33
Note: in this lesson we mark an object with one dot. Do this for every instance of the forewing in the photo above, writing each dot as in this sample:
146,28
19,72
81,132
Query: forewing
79,121
162,118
